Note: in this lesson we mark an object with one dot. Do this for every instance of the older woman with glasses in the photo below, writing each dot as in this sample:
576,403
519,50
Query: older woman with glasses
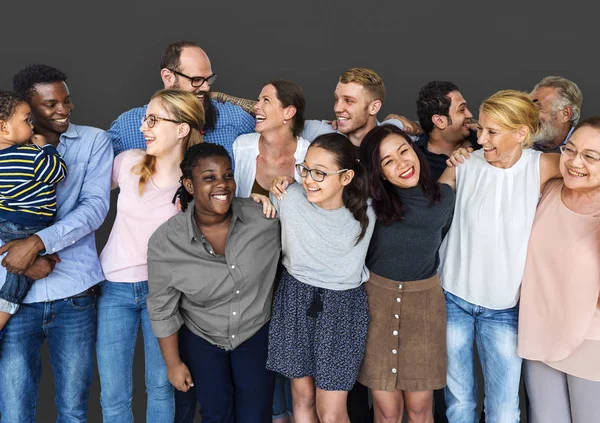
483,256
559,319
148,181
276,146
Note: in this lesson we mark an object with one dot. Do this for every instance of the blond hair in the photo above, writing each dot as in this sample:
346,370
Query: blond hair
368,79
568,94
183,107
513,110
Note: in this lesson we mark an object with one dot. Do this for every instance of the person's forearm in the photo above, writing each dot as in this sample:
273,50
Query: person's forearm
169,347
244,103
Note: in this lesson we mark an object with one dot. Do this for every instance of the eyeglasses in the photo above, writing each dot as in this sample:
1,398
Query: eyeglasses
315,174
590,157
151,120
197,81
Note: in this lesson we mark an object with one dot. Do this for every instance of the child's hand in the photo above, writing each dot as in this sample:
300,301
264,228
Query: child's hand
39,140
268,208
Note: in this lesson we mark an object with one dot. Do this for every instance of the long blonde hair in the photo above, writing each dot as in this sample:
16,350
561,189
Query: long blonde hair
183,107
512,110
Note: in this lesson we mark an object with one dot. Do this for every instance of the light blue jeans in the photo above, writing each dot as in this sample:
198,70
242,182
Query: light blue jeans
121,314
495,334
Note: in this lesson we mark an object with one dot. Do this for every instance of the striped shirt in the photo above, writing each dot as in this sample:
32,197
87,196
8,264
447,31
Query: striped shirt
28,174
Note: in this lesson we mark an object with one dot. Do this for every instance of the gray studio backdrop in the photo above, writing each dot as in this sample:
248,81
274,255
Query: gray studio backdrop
111,49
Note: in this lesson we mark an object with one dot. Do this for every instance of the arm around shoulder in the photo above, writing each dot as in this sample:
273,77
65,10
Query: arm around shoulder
549,167
449,177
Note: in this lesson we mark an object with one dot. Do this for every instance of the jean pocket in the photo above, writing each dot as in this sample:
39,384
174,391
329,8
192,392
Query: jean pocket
83,303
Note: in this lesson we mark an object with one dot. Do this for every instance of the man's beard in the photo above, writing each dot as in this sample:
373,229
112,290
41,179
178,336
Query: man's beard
547,134
210,113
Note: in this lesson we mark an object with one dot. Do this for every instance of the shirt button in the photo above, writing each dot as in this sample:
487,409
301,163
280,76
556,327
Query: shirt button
395,333
398,299
394,371
232,336
54,249
394,351
233,266
234,313
237,292
72,242
396,316
399,286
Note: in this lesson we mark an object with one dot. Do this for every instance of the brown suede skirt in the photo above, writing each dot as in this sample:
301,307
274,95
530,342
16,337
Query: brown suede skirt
406,341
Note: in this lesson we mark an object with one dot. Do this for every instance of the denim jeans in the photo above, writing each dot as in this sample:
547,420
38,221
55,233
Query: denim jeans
69,326
282,397
495,334
121,314
231,386
16,287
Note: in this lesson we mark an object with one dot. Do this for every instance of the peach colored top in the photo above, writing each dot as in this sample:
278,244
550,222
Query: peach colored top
559,322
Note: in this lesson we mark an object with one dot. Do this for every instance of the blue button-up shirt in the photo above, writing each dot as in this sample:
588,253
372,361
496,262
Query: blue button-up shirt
83,199
232,121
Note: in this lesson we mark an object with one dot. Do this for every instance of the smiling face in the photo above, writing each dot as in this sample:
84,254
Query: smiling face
212,186
328,193
18,128
353,107
502,147
579,174
51,107
193,62
165,137
460,116
399,163
269,111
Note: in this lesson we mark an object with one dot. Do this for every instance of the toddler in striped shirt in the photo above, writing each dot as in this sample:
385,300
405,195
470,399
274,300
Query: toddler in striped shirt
29,172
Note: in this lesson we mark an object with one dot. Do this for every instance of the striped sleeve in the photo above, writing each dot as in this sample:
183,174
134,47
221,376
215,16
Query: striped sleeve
49,167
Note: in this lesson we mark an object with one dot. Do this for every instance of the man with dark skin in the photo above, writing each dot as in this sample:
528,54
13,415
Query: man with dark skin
60,306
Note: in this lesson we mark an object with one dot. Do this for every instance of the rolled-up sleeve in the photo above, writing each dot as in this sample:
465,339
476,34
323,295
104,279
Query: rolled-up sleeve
163,299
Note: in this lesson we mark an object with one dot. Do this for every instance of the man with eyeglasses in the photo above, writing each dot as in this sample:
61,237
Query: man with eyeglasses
184,65
559,101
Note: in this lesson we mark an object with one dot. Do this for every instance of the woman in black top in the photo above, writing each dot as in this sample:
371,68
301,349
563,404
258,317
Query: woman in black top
405,359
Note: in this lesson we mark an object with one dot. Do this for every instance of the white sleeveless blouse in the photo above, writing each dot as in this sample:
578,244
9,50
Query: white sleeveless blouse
482,258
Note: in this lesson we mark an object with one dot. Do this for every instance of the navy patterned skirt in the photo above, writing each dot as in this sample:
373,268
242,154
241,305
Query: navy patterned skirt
318,332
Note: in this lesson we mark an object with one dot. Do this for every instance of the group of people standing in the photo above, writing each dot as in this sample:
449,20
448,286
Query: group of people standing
278,267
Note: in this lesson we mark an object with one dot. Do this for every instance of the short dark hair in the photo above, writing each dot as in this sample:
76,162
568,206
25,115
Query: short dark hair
190,160
8,103
387,204
433,100
172,54
26,79
290,94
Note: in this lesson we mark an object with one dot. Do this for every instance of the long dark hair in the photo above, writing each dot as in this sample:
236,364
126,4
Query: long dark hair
190,160
356,193
386,202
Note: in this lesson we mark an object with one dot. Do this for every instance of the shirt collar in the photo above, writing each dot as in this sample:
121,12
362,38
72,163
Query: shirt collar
71,132
568,135
194,231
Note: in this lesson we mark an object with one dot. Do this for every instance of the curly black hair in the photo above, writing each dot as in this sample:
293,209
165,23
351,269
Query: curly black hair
25,80
8,103
190,160
433,100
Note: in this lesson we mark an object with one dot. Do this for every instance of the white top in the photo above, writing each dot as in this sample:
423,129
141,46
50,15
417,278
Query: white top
245,152
124,258
319,246
482,259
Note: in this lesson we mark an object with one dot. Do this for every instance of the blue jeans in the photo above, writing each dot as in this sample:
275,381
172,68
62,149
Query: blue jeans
16,287
231,386
495,334
282,397
121,314
69,325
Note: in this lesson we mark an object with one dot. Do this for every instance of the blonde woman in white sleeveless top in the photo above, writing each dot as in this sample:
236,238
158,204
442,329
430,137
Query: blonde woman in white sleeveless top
483,256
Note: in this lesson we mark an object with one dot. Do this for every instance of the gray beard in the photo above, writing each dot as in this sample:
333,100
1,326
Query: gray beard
546,135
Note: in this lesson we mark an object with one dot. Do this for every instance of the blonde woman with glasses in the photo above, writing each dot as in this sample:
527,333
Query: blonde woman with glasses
147,181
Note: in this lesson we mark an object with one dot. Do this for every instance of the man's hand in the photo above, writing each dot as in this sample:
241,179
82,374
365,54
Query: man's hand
42,267
410,127
180,377
21,253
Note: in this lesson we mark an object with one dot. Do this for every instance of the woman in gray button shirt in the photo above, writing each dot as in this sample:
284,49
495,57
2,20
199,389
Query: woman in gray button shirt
211,270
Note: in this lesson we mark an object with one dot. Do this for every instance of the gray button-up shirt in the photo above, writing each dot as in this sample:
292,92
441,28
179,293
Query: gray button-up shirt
223,299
